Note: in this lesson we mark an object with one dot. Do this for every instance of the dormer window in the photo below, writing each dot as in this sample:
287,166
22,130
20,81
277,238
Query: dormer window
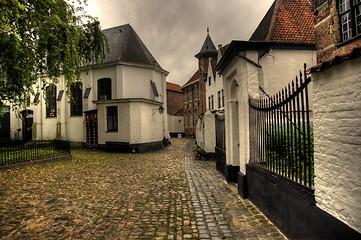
350,18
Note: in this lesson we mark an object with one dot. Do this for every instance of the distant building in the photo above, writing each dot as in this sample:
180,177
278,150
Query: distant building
109,110
175,103
194,90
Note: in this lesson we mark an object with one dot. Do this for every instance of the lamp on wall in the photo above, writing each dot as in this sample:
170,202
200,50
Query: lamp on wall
160,110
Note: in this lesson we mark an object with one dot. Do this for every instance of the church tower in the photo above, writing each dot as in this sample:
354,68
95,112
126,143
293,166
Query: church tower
207,53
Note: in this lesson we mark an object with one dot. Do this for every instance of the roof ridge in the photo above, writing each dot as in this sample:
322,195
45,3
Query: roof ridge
273,20
126,46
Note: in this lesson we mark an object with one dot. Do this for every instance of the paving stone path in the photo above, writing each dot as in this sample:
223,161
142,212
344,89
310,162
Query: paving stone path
220,212
98,195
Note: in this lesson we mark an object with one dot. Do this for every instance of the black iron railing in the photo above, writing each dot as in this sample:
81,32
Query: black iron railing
32,151
281,134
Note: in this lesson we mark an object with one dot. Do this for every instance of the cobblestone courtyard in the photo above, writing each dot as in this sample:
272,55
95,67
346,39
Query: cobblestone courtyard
98,195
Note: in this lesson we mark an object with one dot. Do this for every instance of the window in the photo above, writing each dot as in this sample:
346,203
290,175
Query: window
87,92
212,100
222,98
209,81
154,88
50,101
112,119
76,104
209,103
350,18
104,89
36,98
219,99
60,95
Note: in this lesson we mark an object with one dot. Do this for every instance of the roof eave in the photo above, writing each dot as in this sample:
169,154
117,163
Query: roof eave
236,46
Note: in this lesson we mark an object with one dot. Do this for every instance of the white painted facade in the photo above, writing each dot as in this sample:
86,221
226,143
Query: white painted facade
176,124
337,141
214,86
138,109
206,129
206,132
243,77
139,118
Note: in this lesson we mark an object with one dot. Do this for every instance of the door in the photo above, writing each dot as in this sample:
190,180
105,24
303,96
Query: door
27,125
91,128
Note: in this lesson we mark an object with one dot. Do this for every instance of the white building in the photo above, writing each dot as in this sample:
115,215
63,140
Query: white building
275,54
206,128
118,105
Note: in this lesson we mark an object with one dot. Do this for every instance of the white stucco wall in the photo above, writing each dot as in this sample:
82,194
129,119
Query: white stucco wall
200,133
15,124
206,132
137,123
215,87
136,83
151,122
176,124
337,139
209,132
241,79
280,67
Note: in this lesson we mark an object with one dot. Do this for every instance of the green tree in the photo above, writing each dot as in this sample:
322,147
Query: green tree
45,37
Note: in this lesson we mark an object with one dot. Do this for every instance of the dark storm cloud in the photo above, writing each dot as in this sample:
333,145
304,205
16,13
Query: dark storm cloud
174,30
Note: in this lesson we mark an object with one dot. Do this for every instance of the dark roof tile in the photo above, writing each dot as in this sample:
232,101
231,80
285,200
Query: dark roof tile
126,47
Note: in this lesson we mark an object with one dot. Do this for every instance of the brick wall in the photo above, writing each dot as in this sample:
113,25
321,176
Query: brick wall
327,32
337,131
191,106
175,101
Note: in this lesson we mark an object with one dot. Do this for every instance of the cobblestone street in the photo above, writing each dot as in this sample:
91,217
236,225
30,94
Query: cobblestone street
98,195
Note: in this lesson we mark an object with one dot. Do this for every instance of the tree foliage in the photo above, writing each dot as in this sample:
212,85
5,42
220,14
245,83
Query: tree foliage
45,37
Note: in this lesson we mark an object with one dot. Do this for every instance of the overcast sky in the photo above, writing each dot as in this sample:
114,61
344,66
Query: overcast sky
174,30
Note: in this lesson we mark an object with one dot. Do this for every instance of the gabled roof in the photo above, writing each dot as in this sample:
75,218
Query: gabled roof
207,47
126,47
173,87
193,79
287,21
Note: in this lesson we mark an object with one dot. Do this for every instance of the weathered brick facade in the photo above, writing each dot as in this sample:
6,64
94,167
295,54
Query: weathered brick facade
175,101
328,31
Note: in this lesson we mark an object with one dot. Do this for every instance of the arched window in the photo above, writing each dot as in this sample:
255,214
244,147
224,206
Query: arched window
104,89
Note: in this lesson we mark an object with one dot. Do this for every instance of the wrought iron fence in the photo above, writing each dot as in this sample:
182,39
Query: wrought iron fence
31,151
281,133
